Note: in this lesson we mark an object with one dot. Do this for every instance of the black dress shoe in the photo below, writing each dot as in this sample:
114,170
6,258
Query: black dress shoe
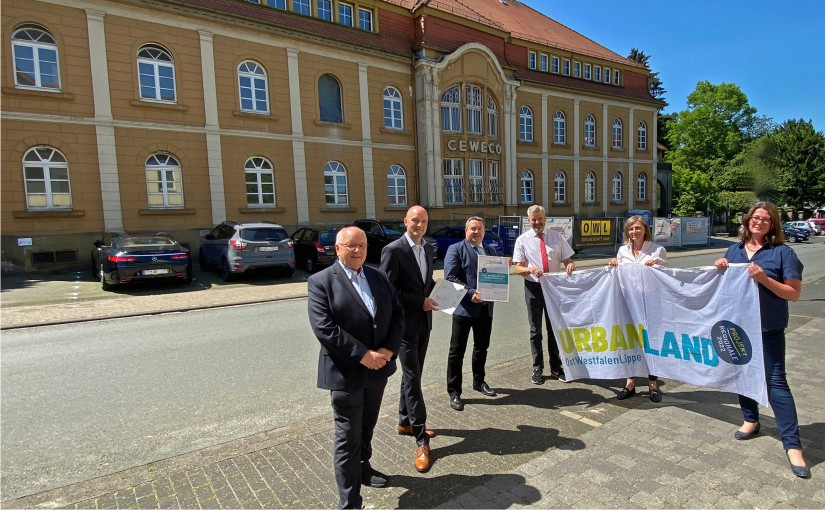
456,403
799,471
484,389
625,393
372,478
655,395
746,435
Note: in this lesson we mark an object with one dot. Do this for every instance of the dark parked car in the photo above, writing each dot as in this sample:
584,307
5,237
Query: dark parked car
452,235
314,248
122,258
382,233
794,234
236,248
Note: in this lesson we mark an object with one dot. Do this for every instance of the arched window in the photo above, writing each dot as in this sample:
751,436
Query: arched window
451,120
525,124
559,128
526,187
616,187
164,181
156,74
590,187
473,105
559,187
260,182
335,184
642,136
642,186
616,134
46,176
393,108
590,131
493,118
35,58
329,99
396,185
252,88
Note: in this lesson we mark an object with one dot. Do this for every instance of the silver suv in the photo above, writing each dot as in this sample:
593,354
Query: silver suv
236,248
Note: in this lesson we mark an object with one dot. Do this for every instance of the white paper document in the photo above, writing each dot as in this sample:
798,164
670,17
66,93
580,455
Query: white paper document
492,278
448,295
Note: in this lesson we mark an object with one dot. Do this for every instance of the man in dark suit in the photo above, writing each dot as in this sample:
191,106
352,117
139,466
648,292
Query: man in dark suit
461,263
357,318
408,262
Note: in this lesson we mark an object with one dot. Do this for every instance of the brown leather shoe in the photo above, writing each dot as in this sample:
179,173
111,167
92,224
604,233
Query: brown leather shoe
407,430
422,460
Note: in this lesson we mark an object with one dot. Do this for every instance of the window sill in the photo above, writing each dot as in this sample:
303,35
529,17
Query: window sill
254,115
259,210
39,93
162,106
164,212
618,202
590,147
641,151
325,123
561,204
337,209
618,149
590,204
400,207
75,213
531,143
391,131
561,146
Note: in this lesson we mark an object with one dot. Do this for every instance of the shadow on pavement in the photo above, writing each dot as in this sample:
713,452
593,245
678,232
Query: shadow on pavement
527,439
431,492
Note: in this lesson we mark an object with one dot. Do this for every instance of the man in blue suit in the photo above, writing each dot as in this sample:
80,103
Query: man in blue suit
359,321
461,263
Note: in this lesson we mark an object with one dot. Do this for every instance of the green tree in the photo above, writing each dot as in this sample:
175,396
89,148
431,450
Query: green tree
694,191
655,84
797,160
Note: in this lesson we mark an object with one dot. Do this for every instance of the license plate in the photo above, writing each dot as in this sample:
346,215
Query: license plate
268,248
154,272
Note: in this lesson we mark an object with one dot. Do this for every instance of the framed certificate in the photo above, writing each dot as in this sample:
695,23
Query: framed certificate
492,278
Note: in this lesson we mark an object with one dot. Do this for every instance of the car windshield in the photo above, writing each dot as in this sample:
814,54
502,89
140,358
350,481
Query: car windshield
328,237
490,236
393,229
131,242
263,234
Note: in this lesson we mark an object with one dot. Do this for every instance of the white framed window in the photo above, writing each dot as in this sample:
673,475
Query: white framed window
392,100
597,73
543,62
559,187
302,7
642,136
454,179
330,107
525,124
278,4
396,185
526,187
566,67
325,9
493,118
473,107
607,74
555,65
252,88
260,182
616,187
46,177
335,185
616,77
642,186
451,116
616,134
345,14
164,182
587,73
590,187
156,74
476,181
365,19
577,69
590,131
559,128
35,58
531,60
493,182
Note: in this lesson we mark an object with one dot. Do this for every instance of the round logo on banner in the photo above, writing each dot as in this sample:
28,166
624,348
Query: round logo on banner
731,343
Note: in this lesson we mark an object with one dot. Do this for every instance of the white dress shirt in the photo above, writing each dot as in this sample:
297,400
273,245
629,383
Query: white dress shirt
649,251
527,250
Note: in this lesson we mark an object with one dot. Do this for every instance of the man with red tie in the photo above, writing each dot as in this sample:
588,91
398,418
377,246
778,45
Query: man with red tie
535,253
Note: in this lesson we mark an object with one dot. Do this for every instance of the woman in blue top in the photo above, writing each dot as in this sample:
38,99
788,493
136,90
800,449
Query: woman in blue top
779,273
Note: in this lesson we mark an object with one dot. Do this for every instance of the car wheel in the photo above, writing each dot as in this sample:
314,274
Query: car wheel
288,272
106,286
226,271
188,278
202,261
310,264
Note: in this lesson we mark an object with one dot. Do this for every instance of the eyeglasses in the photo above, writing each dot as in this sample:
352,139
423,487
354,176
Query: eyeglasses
354,246
756,219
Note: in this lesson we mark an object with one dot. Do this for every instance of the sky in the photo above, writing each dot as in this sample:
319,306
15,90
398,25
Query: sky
772,50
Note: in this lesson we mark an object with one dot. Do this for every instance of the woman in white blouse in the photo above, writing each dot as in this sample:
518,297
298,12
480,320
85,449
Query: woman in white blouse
639,248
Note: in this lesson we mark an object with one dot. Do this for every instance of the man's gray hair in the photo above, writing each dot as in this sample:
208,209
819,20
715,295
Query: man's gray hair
536,209
474,218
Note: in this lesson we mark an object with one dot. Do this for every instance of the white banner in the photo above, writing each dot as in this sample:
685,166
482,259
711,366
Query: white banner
699,325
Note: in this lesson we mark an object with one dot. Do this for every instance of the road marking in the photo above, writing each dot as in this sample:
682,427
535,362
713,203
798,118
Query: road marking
582,419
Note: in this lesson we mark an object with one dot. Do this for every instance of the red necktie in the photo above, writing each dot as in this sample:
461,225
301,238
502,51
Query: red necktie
544,249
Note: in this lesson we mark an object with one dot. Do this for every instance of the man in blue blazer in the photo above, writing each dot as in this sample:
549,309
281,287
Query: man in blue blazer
359,321
461,263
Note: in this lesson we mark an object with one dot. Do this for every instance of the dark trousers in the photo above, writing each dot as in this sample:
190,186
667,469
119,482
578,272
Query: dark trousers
462,326
412,410
780,396
535,300
355,413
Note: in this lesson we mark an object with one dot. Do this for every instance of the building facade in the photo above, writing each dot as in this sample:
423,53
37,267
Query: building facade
175,115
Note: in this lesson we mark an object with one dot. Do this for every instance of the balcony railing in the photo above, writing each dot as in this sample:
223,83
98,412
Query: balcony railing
460,193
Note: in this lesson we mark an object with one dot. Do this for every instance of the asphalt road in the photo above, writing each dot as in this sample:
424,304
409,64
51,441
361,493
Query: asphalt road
84,400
